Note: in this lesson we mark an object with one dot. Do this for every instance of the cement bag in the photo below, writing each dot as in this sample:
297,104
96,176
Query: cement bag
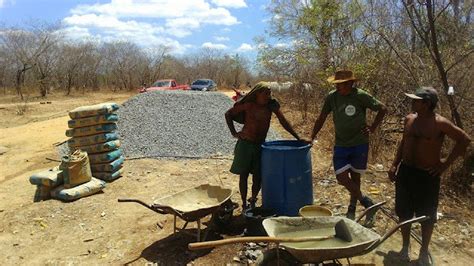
86,189
49,178
108,167
97,148
76,169
109,176
93,139
93,120
93,110
105,157
91,130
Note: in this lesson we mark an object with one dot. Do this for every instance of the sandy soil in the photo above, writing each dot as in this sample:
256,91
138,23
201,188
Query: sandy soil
99,230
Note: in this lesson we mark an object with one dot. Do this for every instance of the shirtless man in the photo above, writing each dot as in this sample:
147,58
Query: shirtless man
257,108
417,166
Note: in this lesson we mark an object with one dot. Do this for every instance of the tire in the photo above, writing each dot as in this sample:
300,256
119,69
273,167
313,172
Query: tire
223,216
270,258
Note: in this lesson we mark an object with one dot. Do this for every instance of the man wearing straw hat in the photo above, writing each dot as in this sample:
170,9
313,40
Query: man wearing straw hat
255,111
348,106
417,166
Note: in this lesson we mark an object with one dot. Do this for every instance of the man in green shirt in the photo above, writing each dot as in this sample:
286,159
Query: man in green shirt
348,106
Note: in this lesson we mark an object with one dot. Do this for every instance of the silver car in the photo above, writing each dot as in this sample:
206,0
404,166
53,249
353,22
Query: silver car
204,85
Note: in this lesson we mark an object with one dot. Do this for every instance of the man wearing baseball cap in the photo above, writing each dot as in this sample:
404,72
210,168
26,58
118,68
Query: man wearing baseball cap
348,106
417,166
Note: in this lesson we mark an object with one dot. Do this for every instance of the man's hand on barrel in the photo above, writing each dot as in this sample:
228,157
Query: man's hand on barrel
309,141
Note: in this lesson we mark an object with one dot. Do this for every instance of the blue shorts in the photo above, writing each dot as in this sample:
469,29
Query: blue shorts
354,158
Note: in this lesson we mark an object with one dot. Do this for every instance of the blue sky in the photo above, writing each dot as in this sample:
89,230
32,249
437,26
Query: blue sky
184,25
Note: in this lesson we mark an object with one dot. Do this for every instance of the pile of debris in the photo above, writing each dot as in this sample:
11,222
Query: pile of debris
181,124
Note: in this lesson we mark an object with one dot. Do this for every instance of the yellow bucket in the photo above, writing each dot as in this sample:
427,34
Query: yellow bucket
314,211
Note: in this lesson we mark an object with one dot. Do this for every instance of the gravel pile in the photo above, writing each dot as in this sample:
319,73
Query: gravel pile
176,124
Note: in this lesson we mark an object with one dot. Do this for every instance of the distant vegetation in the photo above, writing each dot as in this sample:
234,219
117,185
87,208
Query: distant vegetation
392,46
39,58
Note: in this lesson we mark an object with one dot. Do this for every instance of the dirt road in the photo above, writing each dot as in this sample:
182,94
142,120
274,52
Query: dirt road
99,230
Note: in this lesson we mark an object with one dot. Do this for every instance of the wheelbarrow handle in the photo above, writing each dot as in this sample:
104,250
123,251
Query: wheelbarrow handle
377,205
246,239
162,209
393,230
136,201
151,207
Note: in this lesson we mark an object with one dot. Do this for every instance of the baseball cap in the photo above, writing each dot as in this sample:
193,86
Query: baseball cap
425,93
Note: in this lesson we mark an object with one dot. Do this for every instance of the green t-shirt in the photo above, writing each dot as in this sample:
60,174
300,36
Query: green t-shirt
349,113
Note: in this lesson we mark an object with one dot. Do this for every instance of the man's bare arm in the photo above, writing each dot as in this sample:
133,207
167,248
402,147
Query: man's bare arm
286,125
230,123
396,161
462,142
378,118
318,124
398,156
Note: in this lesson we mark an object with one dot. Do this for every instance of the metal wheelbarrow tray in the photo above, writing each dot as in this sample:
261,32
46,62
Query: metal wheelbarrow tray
190,205
364,240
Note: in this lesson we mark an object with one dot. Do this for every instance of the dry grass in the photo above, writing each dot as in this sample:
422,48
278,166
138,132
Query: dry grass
302,110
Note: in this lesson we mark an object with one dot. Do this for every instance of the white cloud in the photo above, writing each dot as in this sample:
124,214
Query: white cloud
112,24
77,33
245,47
230,3
281,45
3,3
149,21
211,45
221,38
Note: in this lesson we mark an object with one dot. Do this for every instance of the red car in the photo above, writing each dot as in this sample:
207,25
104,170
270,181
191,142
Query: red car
165,84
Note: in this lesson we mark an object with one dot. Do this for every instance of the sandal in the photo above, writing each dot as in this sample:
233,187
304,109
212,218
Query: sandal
252,202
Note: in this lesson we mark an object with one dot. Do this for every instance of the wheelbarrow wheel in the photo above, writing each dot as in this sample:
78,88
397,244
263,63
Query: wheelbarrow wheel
271,257
224,215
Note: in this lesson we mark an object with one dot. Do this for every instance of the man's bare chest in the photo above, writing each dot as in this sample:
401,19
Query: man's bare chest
423,130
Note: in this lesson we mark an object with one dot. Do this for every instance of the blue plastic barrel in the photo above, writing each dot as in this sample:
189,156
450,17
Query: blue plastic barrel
287,182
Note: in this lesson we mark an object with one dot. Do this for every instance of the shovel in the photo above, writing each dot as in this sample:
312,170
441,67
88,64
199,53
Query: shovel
342,232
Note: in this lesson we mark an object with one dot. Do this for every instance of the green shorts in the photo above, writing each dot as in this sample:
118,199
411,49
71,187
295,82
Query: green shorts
246,158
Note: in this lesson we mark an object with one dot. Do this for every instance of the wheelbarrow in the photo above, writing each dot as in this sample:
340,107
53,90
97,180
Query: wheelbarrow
312,239
364,240
192,205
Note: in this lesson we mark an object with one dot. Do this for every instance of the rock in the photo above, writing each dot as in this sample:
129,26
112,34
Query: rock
379,167
439,215
3,150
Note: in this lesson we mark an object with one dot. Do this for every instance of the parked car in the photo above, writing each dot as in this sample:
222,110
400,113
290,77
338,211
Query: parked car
164,84
204,85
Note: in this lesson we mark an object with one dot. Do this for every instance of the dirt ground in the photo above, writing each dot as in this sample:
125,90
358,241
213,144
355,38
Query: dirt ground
100,230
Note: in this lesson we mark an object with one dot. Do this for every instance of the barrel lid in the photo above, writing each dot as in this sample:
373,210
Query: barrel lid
286,145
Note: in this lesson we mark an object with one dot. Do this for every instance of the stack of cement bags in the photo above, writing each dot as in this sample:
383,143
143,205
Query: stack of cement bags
93,129
70,181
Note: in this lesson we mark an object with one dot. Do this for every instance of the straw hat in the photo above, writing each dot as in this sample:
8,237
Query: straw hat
342,76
